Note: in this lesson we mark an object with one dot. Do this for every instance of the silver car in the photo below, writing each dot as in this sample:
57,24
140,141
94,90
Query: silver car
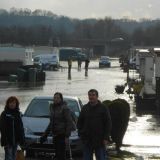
36,120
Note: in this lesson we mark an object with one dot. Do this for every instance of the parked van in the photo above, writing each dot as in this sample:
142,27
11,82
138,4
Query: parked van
73,53
47,61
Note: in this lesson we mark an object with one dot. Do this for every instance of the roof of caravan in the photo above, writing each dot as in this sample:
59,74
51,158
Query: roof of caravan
12,49
144,53
156,50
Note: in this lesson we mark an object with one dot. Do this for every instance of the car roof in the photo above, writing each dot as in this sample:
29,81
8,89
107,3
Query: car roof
51,97
104,57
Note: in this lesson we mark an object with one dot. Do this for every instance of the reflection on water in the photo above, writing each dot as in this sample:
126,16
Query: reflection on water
142,135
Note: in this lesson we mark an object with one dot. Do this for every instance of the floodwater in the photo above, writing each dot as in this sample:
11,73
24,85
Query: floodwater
142,137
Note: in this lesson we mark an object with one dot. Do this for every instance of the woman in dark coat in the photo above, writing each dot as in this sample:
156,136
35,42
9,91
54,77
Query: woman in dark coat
60,125
11,128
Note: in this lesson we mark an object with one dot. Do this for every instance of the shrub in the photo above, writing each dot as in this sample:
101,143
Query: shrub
120,113
119,89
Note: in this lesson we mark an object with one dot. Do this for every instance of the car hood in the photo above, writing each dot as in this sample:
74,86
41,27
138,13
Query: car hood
39,125
35,124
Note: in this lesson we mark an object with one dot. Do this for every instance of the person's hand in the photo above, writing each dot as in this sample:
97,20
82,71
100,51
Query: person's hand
66,140
43,138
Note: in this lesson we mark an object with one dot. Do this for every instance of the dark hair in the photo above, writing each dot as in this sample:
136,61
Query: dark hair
93,90
60,94
11,99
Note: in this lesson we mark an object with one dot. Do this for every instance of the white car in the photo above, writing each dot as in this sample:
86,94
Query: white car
36,120
132,63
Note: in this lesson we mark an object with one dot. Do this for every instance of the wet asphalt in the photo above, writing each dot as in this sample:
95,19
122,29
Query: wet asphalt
142,136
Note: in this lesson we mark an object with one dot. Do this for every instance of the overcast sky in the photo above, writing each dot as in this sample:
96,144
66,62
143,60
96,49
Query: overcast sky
135,9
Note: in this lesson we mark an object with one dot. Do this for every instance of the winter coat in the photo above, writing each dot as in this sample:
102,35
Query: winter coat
11,127
94,124
86,63
60,120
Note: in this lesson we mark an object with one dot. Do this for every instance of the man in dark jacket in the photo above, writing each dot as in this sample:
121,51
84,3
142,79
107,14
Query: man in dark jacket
94,126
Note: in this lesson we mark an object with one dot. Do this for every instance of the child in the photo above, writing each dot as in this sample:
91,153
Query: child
11,128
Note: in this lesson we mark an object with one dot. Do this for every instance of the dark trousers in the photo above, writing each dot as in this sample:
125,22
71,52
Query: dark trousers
69,69
100,153
60,147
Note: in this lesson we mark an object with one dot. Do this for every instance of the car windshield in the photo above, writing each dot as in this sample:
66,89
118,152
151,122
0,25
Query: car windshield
40,107
104,58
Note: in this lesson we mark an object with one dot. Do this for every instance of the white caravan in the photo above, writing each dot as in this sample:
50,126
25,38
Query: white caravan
16,55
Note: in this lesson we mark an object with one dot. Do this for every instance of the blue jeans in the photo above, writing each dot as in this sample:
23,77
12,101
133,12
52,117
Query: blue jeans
10,152
100,153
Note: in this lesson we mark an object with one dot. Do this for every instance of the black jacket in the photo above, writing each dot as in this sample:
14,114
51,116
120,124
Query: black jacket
94,124
11,127
60,120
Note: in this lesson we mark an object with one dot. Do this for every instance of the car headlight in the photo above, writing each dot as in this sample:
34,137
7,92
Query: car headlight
28,130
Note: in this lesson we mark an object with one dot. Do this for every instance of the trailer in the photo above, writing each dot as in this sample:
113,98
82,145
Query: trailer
13,57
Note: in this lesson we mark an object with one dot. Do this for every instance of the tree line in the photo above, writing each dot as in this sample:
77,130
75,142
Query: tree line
41,27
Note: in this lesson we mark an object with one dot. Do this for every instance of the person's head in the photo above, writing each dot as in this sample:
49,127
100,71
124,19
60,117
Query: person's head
12,103
93,96
58,98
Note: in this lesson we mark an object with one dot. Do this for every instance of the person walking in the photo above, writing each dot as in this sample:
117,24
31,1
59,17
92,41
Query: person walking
94,126
79,61
11,128
69,65
86,66
60,125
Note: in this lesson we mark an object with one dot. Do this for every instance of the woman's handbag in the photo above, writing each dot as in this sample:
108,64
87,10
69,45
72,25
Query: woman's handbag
20,154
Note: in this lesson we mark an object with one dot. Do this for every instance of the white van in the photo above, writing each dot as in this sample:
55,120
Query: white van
47,61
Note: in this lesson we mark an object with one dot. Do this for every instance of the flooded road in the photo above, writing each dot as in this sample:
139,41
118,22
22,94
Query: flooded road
142,136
